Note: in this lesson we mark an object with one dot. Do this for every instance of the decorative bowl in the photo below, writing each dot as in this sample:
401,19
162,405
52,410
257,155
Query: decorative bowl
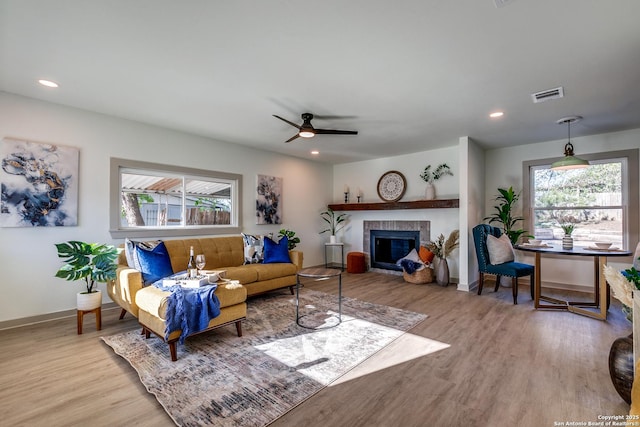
603,245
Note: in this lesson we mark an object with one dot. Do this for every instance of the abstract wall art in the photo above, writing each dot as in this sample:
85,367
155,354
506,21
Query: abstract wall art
38,184
269,200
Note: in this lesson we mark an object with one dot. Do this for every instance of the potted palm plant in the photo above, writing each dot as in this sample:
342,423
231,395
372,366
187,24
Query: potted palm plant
504,214
91,262
336,222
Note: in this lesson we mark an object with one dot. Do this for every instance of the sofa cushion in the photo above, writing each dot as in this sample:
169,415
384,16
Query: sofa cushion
245,274
151,259
276,252
274,271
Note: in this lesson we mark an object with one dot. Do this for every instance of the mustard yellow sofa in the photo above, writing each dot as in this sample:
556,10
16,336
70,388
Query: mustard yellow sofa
222,253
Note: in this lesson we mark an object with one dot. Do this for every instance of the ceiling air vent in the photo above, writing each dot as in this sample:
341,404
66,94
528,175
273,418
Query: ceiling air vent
546,95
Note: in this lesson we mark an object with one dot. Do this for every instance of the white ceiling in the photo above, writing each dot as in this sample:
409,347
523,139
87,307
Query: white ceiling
409,75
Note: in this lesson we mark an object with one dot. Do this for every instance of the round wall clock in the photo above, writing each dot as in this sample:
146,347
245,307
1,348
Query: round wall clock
391,186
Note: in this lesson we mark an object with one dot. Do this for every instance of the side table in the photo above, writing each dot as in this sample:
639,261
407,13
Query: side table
341,245
98,313
319,274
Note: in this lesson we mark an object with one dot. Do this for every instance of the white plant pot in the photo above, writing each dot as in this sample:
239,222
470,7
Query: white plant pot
86,302
430,192
332,239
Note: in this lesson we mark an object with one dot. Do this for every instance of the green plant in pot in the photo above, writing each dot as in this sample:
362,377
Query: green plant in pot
503,215
567,240
90,262
430,177
335,222
291,236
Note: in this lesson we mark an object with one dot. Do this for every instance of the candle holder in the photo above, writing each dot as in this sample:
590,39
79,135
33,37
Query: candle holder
346,197
359,199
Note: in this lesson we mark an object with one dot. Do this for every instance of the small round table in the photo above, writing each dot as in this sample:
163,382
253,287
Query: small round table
318,274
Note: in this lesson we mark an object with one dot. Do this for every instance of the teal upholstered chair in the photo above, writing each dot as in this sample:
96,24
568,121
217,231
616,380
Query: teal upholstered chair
509,269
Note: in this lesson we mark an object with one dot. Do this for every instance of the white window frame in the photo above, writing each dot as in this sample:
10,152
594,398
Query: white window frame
117,230
630,193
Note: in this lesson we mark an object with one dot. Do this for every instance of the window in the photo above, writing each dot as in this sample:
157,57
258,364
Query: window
151,200
600,201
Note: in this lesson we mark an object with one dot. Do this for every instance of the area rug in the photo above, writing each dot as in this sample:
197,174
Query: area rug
221,379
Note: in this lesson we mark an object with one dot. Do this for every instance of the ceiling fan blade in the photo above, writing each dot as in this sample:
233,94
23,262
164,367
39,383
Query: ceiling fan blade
293,137
336,132
287,121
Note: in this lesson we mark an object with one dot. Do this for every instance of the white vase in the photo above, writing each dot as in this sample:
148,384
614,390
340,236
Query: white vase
86,302
332,239
430,192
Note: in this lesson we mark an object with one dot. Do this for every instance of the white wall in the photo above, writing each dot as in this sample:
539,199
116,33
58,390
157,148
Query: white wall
365,175
503,171
28,255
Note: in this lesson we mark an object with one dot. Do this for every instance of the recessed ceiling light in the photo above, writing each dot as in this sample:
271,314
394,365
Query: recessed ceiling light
496,114
47,83
315,152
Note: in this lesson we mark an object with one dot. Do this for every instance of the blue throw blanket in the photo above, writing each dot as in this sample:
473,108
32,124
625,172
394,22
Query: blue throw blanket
410,266
189,309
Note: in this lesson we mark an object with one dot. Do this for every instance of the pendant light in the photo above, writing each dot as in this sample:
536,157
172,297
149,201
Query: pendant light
569,161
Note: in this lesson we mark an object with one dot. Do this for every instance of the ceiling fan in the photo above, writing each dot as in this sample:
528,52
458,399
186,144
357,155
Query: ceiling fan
306,129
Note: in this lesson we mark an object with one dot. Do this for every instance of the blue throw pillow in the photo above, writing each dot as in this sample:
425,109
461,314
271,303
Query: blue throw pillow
151,260
276,252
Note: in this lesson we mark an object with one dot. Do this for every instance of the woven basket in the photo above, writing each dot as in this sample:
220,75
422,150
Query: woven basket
419,277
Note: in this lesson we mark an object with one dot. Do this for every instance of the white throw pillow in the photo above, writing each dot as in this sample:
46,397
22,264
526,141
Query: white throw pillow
500,249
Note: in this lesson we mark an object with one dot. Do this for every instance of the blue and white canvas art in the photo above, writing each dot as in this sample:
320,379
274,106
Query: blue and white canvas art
269,200
38,184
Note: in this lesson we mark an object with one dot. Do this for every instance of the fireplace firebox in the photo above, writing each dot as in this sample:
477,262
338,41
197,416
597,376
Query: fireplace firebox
388,246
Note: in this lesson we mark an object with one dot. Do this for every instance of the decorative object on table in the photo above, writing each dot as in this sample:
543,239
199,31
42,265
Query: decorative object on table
269,200
91,262
336,222
430,177
291,236
39,184
282,373
391,186
567,240
504,214
569,161
346,193
621,352
442,249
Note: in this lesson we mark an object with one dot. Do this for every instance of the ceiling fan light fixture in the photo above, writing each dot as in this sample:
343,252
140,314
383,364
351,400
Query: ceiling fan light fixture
569,161
305,133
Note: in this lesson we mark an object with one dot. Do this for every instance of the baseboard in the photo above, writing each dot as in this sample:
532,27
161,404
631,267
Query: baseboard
31,320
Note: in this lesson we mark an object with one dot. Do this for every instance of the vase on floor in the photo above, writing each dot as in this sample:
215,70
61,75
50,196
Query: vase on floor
621,366
430,192
442,272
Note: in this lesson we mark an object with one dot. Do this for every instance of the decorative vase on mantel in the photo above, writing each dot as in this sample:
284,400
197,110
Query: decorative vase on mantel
332,239
567,242
430,192
442,272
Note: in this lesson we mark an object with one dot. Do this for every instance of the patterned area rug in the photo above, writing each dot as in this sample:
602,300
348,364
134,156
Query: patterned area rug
220,379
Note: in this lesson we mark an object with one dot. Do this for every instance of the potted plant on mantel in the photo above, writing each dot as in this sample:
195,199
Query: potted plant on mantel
91,262
430,177
335,221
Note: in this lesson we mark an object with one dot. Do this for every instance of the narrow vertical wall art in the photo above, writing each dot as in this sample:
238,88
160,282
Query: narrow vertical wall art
269,200
38,184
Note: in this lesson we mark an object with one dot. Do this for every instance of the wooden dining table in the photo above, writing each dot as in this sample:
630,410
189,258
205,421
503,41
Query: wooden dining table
600,285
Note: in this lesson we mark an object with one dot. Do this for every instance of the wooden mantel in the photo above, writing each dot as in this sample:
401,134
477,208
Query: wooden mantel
416,204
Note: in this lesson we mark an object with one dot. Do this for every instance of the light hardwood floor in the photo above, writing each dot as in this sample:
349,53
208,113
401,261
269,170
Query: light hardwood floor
506,365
